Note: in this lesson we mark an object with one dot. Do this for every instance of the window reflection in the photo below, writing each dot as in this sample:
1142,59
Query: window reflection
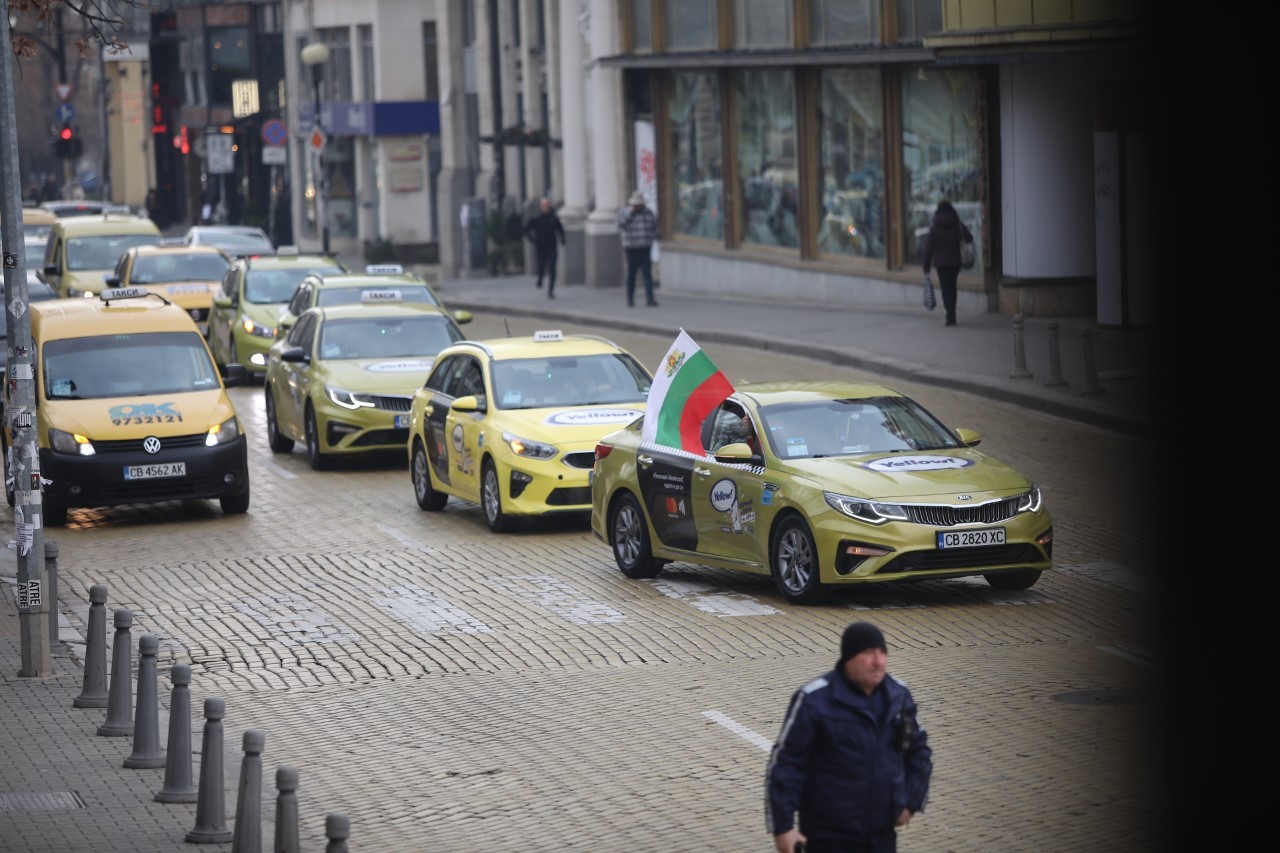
844,22
767,171
691,24
850,133
694,112
941,152
762,23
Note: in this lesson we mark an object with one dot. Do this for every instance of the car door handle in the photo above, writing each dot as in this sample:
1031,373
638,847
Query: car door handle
702,472
644,459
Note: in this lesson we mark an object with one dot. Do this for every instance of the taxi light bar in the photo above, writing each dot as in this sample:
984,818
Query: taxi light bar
380,296
111,294
548,335
287,250
384,269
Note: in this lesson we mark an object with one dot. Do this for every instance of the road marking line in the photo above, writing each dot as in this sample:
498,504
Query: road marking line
704,597
739,729
405,539
280,472
427,613
560,598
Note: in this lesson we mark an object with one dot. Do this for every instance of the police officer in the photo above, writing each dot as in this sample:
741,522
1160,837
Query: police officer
851,758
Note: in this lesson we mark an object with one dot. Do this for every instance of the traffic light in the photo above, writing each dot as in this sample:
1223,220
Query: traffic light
66,139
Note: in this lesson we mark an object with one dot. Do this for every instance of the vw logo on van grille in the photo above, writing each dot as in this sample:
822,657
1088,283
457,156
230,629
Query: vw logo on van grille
151,444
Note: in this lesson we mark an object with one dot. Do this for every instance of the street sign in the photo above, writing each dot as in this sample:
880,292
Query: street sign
221,160
316,139
63,90
274,155
65,112
273,132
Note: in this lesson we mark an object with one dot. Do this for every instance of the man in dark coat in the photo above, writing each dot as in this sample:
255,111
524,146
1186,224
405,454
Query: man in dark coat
942,249
851,759
544,231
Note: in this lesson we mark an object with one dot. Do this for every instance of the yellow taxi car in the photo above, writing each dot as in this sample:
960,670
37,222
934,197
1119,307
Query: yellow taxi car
83,250
343,379
821,484
350,288
242,323
130,407
188,276
512,423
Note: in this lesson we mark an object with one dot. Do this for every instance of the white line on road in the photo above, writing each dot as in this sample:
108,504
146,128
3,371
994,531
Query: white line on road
405,539
739,729
708,599
280,472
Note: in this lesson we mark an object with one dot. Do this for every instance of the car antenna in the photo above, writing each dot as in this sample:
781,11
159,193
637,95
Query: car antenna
507,323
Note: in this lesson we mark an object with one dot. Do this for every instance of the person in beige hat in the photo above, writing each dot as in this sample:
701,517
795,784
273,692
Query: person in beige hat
638,228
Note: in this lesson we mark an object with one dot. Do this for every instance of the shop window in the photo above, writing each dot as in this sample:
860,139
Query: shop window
340,169
941,152
228,60
694,118
851,163
762,23
767,163
833,22
691,24
917,19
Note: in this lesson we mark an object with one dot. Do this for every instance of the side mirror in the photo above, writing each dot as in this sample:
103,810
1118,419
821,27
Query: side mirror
235,374
52,269
469,403
969,437
111,280
739,451
462,317
221,301
295,355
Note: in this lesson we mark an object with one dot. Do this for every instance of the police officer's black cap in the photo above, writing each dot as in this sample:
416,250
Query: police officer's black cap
859,637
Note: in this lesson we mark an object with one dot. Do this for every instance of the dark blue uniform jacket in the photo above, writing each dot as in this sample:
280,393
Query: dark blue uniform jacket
844,772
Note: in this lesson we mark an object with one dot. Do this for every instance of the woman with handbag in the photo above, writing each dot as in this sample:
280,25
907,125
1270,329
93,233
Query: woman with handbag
942,250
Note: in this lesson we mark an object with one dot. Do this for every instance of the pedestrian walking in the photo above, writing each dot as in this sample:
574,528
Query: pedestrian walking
544,231
852,760
942,249
639,230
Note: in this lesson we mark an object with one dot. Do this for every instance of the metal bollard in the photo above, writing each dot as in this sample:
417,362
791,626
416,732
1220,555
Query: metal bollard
1091,384
211,817
247,837
146,722
93,690
337,827
287,811
120,695
178,787
1055,357
51,572
1019,350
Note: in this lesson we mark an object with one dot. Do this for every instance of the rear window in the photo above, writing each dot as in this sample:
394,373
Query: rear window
103,251
264,287
103,366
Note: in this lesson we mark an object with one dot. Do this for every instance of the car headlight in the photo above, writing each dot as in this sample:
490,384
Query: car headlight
1031,501
348,399
872,512
67,442
258,331
528,448
224,433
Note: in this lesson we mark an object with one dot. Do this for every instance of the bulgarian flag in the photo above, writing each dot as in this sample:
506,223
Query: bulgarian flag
685,390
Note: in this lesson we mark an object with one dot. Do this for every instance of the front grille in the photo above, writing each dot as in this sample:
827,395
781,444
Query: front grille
134,445
963,558
580,496
377,437
581,459
949,516
391,404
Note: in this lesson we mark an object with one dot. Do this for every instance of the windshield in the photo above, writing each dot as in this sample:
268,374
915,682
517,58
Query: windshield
107,366
386,337
586,380
846,427
264,287
237,241
160,269
102,252
326,296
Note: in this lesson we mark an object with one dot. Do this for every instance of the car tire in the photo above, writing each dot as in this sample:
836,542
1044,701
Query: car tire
319,460
1015,580
278,442
794,559
629,534
491,499
55,515
235,504
420,470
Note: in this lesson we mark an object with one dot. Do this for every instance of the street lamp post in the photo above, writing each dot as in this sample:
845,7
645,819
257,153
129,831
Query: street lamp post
314,56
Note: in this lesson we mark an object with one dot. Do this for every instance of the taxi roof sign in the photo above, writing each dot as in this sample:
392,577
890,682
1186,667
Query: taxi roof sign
380,296
111,293
384,269
548,335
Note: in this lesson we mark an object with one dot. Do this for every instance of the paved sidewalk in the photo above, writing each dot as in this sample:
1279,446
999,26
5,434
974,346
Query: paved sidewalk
1119,391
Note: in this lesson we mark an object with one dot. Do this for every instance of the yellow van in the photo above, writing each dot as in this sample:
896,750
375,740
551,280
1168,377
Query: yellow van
83,250
130,407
